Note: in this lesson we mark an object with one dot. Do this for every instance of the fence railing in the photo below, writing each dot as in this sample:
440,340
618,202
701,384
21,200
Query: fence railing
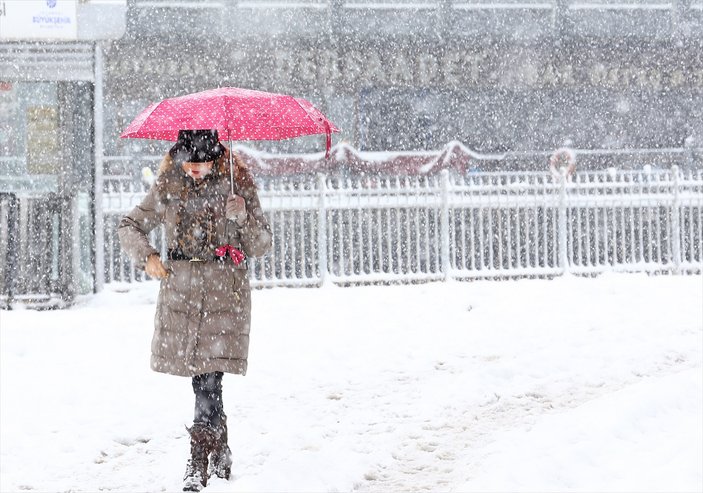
482,225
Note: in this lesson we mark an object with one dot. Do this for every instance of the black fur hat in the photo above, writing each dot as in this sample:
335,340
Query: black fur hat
196,146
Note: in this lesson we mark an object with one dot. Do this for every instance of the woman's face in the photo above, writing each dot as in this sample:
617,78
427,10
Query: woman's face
197,171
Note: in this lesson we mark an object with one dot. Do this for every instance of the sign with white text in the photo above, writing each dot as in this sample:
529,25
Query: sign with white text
38,19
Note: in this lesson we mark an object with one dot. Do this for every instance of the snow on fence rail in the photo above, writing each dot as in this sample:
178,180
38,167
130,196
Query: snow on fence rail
482,225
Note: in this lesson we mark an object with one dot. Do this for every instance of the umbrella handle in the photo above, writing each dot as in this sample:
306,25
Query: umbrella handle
231,168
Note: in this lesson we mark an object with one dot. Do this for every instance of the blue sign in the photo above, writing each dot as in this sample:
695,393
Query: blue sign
51,3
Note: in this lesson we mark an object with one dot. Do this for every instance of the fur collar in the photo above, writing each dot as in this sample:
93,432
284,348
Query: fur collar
171,180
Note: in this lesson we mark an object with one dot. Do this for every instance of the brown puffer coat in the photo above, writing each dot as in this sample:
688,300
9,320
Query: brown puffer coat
203,310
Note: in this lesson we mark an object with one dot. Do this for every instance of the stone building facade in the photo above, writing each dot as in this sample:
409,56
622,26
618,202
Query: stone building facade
519,78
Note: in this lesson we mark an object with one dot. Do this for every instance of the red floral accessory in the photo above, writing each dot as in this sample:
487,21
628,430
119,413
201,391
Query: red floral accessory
235,254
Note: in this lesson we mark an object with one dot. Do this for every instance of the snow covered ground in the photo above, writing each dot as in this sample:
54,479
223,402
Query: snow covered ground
571,384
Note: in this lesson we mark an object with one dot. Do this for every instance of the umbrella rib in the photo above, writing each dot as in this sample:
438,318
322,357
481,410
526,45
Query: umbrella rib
225,113
155,107
307,113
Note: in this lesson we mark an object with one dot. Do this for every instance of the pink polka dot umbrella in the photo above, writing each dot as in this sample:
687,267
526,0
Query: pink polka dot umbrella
237,114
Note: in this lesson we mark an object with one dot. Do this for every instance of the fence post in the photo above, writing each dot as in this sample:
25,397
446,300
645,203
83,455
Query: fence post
563,257
444,226
676,222
322,227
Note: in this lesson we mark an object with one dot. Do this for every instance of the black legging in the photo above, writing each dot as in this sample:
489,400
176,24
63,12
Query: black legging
208,398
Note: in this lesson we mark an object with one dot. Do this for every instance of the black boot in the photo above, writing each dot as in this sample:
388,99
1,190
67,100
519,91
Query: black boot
202,441
221,457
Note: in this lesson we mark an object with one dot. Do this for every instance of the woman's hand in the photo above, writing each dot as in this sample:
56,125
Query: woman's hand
154,267
236,209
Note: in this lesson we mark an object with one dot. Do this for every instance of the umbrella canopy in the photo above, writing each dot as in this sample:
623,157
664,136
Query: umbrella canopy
237,114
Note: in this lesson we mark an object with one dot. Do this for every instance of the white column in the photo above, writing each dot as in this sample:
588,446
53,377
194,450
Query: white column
98,185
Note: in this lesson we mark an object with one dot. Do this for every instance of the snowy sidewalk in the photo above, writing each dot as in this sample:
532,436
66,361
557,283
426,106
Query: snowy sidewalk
569,384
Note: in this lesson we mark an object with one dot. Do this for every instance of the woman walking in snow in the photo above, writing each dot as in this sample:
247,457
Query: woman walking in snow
203,310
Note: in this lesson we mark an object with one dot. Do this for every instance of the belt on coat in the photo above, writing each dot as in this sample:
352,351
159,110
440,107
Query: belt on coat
178,255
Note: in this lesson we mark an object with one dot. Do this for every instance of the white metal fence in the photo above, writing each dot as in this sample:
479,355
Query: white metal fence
483,225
